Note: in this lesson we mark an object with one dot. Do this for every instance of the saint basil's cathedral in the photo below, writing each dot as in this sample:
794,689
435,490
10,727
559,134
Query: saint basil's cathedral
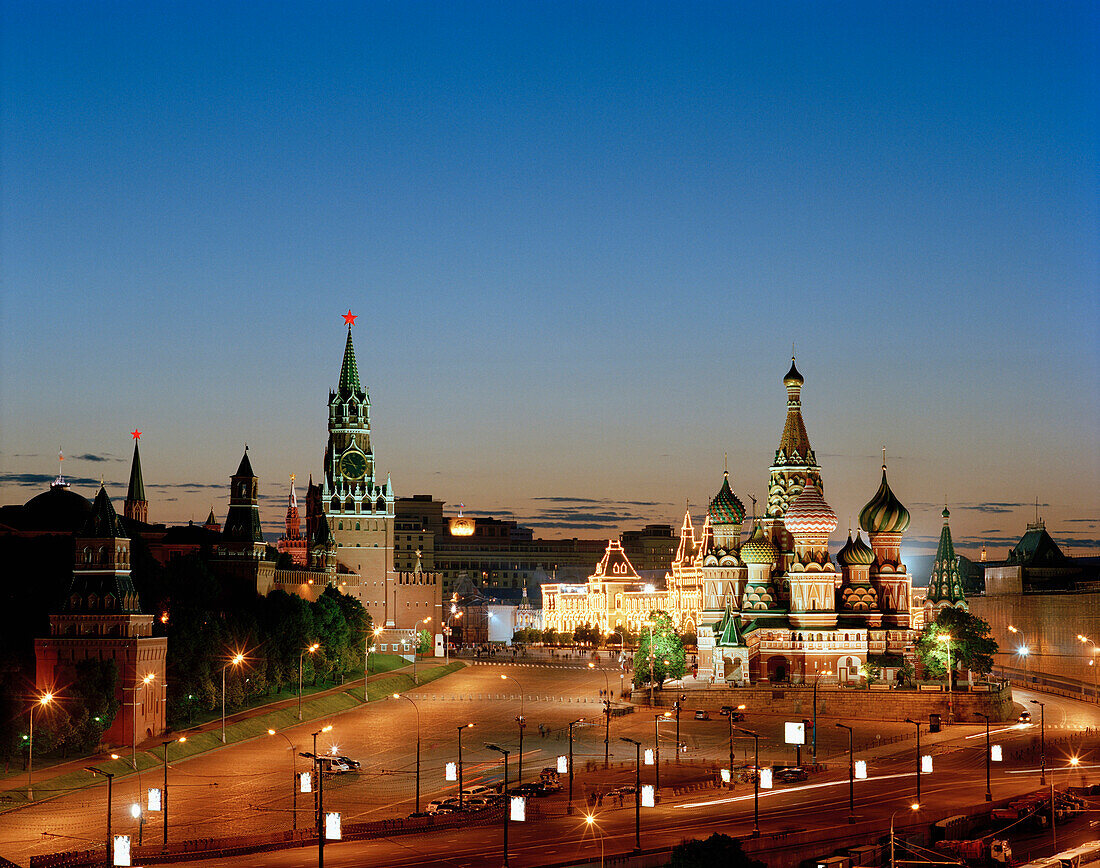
774,606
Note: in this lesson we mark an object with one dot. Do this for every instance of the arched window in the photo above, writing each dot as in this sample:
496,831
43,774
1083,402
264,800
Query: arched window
340,525
335,507
381,505
357,525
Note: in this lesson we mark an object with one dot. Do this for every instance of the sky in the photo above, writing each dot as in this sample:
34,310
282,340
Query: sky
582,239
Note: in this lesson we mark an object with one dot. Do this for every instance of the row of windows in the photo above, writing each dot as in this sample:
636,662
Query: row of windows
352,505
101,555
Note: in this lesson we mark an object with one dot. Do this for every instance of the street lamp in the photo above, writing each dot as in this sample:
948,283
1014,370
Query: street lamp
676,706
44,700
293,779
590,822
606,683
416,647
755,781
651,660
913,807
1092,663
1042,740
946,639
1023,651
988,756
319,796
237,660
917,725
164,795
301,657
569,809
501,750
657,718
139,815
460,728
522,721
110,776
447,631
814,743
637,793
410,699
851,774
133,745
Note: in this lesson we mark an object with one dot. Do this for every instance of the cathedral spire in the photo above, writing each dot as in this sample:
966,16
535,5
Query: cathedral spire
794,444
945,586
349,371
136,507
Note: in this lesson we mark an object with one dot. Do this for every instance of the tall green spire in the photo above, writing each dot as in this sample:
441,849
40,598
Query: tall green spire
349,372
945,585
136,491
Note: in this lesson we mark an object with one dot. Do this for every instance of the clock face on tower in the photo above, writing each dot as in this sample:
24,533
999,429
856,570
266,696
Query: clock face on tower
353,465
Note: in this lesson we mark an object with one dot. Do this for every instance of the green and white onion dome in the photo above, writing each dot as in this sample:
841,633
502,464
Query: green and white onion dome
884,513
758,549
856,553
725,508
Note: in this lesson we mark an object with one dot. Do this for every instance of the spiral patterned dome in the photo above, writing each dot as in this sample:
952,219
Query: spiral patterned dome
810,515
884,513
725,508
856,553
758,549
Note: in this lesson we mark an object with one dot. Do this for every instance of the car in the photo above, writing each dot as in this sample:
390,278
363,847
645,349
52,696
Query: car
550,786
353,765
529,789
1025,717
441,806
731,712
787,776
333,765
477,803
478,790
702,714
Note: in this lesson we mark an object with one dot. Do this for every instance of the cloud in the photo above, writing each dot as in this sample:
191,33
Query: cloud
90,456
1081,520
602,500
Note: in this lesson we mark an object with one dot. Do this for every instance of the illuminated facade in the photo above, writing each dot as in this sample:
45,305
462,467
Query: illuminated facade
776,606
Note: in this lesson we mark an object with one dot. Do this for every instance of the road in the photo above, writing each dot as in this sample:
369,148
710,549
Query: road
247,787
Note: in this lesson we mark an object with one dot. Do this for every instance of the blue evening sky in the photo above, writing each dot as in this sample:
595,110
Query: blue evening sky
582,238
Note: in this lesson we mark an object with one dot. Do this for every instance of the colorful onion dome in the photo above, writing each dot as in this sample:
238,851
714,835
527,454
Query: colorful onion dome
793,376
758,549
810,515
856,553
726,508
884,513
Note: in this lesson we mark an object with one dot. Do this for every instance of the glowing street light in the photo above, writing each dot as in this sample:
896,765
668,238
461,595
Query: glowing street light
946,639
44,700
293,776
237,660
410,699
164,799
301,657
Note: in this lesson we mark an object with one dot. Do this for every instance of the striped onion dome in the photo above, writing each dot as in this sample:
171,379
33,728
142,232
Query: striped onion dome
884,513
810,515
856,553
758,549
725,508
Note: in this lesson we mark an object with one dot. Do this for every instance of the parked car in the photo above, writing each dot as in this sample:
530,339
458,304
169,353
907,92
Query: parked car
333,765
478,790
550,786
1025,717
731,712
702,714
353,765
529,789
441,806
787,776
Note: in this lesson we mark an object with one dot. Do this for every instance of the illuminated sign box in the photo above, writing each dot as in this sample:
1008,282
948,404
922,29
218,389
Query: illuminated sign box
926,764
332,826
765,779
306,782
518,811
154,799
995,753
122,851
725,776
648,796
563,765
794,733
452,772
861,769
648,757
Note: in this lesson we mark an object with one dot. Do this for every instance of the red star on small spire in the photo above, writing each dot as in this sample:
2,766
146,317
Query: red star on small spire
349,317
135,434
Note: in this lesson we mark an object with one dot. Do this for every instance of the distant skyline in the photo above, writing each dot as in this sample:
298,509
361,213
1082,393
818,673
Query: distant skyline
582,239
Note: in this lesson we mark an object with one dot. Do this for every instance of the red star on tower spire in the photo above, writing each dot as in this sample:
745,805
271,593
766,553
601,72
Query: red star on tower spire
349,317
135,434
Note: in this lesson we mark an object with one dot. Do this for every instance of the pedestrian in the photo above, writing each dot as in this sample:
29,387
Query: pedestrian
620,798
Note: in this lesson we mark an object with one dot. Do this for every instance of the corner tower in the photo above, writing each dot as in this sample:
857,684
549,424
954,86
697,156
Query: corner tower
359,507
136,507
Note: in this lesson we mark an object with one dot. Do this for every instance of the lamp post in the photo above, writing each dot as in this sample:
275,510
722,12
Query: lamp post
676,708
319,797
522,721
917,725
569,809
606,683
293,779
507,811
657,718
460,728
416,647
590,821
301,657
237,660
814,742
851,774
134,707
651,660
410,699
1023,650
110,776
913,807
44,700
946,639
1042,740
755,781
731,748
1092,664
139,815
164,794
637,793
447,631
988,757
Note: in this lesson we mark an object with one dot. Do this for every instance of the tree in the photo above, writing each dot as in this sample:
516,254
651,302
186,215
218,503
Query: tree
423,641
718,849
667,658
971,645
